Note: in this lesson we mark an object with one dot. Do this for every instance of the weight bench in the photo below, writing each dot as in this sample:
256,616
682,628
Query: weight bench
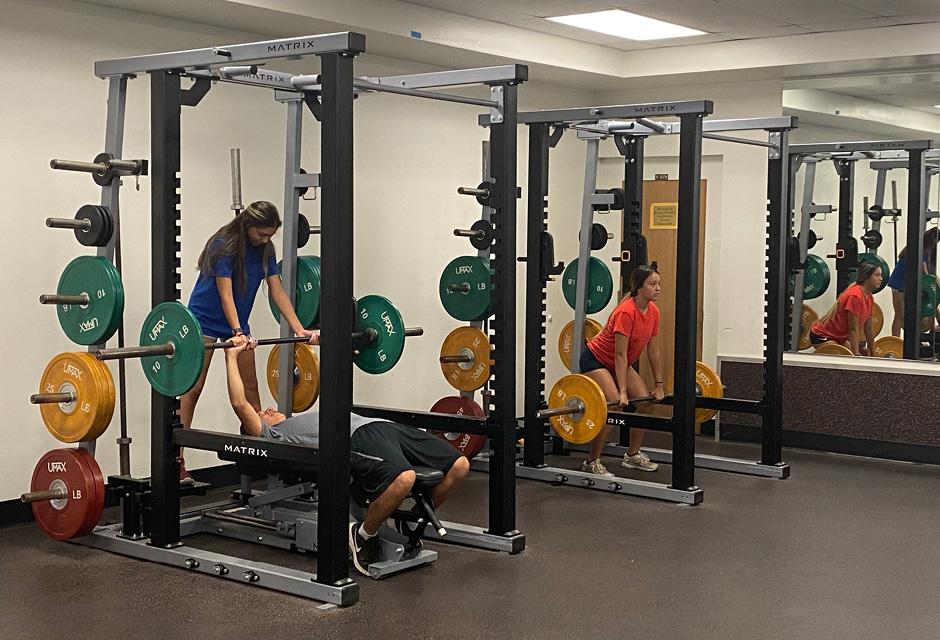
288,509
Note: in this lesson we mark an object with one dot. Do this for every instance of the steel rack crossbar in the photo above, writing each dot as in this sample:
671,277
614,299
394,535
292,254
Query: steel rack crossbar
344,42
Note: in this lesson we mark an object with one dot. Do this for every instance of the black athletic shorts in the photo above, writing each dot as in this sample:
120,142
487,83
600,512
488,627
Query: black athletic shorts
381,451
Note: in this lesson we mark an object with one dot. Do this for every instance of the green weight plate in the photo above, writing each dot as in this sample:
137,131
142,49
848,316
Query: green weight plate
878,261
929,295
815,277
314,261
600,284
384,351
97,321
307,292
172,322
465,288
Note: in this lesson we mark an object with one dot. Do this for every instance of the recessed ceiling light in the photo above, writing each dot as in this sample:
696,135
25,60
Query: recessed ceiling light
936,106
624,24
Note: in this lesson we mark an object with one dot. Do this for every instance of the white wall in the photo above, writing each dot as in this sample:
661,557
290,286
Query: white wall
410,156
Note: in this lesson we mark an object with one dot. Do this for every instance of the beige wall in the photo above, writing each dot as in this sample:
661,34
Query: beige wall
410,155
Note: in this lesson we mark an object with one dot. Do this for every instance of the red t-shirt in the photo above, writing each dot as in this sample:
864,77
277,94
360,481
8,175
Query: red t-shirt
626,319
853,300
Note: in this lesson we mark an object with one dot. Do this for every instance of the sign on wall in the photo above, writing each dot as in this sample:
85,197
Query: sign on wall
664,215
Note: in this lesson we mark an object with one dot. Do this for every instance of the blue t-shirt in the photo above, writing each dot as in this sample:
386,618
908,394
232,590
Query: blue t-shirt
898,276
206,304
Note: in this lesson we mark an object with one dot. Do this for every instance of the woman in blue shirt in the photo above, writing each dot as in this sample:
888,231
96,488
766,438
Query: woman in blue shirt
234,262
899,275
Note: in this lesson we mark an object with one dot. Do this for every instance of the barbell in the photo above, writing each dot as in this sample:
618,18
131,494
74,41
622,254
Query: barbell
577,407
172,346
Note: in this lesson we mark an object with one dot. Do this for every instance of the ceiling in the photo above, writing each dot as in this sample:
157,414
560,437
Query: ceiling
722,20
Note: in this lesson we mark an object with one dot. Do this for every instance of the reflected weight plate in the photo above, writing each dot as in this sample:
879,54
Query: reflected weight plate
306,387
95,322
600,285
385,350
466,341
833,349
306,291
576,390
90,381
566,339
465,289
878,261
808,318
877,323
815,277
76,472
929,295
889,347
175,374
468,444
707,385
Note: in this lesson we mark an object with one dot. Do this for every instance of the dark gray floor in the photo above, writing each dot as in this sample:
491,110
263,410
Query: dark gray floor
846,548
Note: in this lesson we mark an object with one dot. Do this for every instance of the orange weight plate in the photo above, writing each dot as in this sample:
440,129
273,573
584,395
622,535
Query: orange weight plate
474,345
306,388
93,405
566,339
578,391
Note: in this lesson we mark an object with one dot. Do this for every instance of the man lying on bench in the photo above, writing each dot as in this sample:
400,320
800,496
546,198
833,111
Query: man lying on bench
382,456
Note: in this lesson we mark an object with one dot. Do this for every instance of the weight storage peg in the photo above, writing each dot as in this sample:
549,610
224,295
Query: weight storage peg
104,168
480,234
93,225
89,300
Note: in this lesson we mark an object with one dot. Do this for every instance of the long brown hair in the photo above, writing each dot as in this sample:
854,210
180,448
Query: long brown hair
232,239
865,271
639,275
931,239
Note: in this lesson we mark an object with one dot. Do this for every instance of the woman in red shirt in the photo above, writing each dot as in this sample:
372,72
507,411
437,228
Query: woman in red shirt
851,311
609,359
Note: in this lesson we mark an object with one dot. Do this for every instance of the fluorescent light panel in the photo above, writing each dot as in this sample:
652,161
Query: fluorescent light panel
624,24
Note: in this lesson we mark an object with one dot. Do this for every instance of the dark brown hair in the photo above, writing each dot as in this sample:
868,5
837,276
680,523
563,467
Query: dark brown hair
865,271
639,275
931,239
231,240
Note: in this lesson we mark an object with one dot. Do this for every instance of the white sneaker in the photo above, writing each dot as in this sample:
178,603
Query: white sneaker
596,467
639,461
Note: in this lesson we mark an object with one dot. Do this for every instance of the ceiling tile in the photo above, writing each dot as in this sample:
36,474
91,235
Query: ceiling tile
848,25
769,32
896,7
916,19
493,12
801,11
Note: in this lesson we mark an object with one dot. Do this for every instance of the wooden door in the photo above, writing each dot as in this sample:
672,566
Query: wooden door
661,248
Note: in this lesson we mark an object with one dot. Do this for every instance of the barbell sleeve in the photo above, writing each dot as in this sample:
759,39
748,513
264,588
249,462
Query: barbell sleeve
41,496
77,165
68,223
53,298
52,398
469,233
123,353
567,411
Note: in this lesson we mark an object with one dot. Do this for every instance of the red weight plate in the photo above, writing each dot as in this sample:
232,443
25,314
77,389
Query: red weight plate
75,471
466,443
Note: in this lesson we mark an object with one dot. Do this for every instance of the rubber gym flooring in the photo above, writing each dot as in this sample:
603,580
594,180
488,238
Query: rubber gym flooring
846,548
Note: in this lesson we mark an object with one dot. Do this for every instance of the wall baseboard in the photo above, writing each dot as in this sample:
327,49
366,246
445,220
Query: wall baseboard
13,512
902,451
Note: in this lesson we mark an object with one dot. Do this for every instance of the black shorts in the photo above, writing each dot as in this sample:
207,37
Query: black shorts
589,362
815,339
379,452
